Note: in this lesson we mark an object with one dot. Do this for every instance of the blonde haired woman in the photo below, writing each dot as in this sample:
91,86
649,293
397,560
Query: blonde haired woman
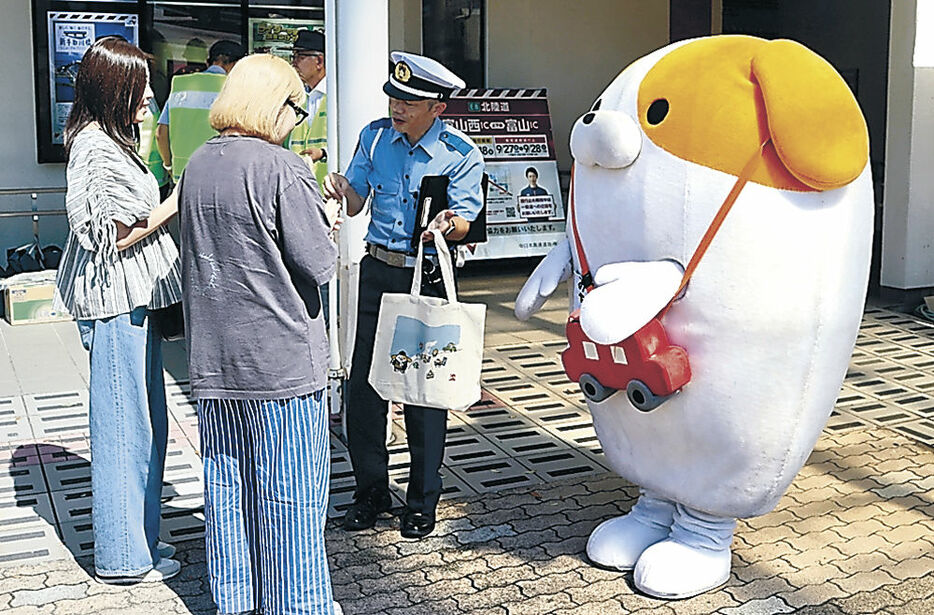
255,247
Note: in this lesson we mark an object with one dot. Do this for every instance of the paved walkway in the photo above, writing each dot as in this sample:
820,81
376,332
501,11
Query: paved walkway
526,485
854,534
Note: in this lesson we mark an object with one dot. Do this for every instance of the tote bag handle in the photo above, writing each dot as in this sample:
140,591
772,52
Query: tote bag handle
444,260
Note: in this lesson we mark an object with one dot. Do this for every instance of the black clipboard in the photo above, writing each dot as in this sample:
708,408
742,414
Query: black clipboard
433,198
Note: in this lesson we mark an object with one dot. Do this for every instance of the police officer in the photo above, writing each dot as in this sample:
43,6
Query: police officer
309,139
183,125
392,156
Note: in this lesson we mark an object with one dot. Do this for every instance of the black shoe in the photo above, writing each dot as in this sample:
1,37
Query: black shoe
363,512
417,524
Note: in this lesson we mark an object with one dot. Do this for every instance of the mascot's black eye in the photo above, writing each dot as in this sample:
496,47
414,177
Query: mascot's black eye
596,105
658,110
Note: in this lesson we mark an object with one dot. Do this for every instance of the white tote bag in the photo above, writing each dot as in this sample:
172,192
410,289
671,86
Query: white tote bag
428,351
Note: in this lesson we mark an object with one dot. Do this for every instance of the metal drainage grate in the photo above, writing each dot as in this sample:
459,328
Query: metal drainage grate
922,430
528,441
183,518
68,472
31,544
56,414
452,486
495,475
470,448
492,420
561,465
14,424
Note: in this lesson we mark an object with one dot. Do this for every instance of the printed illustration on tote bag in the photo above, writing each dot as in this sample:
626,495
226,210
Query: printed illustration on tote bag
417,345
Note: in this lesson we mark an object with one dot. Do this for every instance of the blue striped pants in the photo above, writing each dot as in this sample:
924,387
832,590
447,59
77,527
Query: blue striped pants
266,472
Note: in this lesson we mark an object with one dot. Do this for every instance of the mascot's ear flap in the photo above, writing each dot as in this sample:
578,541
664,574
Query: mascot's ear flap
816,124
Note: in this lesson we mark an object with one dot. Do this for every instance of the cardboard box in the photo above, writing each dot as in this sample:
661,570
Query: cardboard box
31,303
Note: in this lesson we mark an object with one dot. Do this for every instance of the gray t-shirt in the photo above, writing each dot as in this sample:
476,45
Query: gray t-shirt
254,250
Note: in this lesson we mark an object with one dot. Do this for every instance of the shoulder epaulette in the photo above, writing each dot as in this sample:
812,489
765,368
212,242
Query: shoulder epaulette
456,142
383,122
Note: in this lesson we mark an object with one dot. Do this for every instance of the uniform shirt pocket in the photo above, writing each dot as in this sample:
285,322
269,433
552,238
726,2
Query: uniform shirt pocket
387,200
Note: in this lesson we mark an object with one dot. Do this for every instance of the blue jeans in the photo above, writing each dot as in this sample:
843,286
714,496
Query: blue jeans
266,473
129,433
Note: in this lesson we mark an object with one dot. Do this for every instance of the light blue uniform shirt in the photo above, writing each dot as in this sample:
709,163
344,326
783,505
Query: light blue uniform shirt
203,102
392,169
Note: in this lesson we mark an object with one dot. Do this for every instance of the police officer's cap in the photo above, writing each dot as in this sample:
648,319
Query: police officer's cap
309,40
415,77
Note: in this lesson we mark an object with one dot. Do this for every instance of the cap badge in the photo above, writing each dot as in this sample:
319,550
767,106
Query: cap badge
403,72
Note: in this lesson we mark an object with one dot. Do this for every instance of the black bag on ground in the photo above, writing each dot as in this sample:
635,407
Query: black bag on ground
32,257
24,258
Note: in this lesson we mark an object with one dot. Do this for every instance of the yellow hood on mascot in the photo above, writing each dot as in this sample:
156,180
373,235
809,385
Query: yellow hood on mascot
769,318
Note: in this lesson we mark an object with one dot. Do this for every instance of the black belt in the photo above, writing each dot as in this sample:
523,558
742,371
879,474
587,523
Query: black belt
390,257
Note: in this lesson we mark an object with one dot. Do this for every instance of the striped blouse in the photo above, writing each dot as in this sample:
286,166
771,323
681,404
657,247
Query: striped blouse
95,280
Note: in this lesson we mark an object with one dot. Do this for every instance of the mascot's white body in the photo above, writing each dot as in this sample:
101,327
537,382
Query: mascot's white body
768,319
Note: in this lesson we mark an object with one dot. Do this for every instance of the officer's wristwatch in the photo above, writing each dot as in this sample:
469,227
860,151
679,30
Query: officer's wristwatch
450,229
324,155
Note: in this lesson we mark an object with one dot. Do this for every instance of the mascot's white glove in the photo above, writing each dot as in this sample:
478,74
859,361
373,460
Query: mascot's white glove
554,269
626,297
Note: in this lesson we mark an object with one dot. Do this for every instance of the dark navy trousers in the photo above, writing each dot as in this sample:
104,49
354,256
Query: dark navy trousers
367,412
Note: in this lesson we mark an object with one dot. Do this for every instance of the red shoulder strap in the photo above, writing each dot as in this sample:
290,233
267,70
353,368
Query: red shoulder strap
715,224
586,278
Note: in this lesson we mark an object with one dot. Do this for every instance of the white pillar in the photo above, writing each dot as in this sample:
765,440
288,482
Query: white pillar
357,55
908,206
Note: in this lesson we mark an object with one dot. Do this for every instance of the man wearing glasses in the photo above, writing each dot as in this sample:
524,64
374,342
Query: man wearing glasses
309,139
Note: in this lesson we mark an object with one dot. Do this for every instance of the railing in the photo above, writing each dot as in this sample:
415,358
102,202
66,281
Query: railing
30,214
16,191
34,194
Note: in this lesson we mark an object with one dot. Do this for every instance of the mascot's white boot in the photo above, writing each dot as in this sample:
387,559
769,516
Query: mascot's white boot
619,542
695,558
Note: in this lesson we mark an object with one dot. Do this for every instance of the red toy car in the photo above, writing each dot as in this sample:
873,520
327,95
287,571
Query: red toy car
646,365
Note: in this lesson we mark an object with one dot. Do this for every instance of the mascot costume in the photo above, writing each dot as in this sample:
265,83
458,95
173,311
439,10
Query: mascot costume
719,229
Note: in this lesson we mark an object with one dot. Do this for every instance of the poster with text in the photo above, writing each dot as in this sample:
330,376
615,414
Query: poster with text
512,128
276,36
71,34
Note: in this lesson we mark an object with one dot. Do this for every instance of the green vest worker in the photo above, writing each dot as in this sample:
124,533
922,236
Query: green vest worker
147,144
309,139
183,125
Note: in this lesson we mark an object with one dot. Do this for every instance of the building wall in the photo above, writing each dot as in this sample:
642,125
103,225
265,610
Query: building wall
405,25
572,48
908,225
18,166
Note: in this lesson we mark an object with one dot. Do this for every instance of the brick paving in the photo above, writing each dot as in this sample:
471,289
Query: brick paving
854,533
838,543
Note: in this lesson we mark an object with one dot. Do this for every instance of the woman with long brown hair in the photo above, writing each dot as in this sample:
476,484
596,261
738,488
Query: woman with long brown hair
113,203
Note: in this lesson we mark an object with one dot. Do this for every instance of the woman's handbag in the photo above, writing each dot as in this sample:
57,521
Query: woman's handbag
170,321
428,351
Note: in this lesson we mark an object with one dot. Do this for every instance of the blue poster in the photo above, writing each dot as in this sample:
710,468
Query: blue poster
70,36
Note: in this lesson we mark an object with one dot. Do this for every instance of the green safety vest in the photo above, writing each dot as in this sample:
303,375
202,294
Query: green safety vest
189,128
147,144
313,134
